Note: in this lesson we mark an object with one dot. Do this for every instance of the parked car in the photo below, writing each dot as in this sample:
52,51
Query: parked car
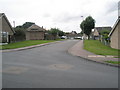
63,37
78,38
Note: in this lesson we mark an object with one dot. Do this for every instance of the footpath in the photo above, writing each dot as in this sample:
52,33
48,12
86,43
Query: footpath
77,50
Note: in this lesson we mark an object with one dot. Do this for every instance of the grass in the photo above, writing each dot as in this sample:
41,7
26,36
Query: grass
113,62
25,44
98,48
117,57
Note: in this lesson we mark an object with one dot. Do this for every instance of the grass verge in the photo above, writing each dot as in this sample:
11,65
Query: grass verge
113,62
98,48
24,44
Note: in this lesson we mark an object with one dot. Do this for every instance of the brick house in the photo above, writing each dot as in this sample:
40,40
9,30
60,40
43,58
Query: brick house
35,32
115,35
6,30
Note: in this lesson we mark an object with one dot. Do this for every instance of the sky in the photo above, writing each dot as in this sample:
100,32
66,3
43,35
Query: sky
62,14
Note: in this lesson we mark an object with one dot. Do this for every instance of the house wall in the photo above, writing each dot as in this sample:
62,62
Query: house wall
35,35
0,24
114,37
6,27
96,33
0,29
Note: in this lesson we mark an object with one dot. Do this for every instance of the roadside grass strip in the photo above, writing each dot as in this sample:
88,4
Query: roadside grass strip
25,44
113,62
99,48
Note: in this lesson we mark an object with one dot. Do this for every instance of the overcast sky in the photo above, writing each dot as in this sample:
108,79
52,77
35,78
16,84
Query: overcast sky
63,14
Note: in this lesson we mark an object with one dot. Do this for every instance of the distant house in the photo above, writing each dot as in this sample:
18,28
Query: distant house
72,35
6,30
96,34
35,32
115,35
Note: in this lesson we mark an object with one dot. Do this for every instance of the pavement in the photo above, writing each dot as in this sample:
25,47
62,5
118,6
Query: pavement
51,66
77,50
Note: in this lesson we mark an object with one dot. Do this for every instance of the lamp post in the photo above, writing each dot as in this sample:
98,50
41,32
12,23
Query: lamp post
83,27
14,24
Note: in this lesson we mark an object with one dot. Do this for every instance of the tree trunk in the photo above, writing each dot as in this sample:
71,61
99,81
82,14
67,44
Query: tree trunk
88,37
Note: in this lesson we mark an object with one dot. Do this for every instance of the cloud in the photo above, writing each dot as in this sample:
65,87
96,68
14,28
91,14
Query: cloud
111,6
46,15
64,14
66,18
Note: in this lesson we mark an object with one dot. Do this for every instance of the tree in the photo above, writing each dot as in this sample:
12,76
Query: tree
27,24
61,33
54,32
19,33
87,25
81,33
82,26
105,34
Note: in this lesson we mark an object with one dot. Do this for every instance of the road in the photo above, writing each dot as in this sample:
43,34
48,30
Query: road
51,66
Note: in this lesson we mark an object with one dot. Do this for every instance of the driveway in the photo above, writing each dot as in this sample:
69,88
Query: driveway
51,66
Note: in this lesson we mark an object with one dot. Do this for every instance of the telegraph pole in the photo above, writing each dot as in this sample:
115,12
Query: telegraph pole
14,30
14,24
83,27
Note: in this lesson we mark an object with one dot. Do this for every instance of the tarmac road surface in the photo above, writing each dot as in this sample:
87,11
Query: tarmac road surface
51,66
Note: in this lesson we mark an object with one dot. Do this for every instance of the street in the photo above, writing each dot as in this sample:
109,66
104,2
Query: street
51,66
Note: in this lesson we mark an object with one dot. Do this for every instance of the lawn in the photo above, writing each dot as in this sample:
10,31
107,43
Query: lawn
98,48
24,44
113,62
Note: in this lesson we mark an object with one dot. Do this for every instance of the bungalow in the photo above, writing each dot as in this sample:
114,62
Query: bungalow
115,35
6,30
35,32
72,35
96,34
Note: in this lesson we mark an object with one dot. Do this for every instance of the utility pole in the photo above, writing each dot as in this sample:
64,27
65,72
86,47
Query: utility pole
14,24
14,30
83,28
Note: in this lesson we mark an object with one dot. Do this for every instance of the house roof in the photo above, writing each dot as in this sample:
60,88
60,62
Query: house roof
35,27
2,15
99,29
115,25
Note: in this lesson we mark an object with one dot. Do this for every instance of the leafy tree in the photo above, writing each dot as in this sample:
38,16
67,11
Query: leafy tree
27,24
105,33
20,33
61,33
19,26
82,26
54,32
20,30
81,33
87,25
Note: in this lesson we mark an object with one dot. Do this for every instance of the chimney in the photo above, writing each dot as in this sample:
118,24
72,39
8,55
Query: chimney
42,26
119,9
